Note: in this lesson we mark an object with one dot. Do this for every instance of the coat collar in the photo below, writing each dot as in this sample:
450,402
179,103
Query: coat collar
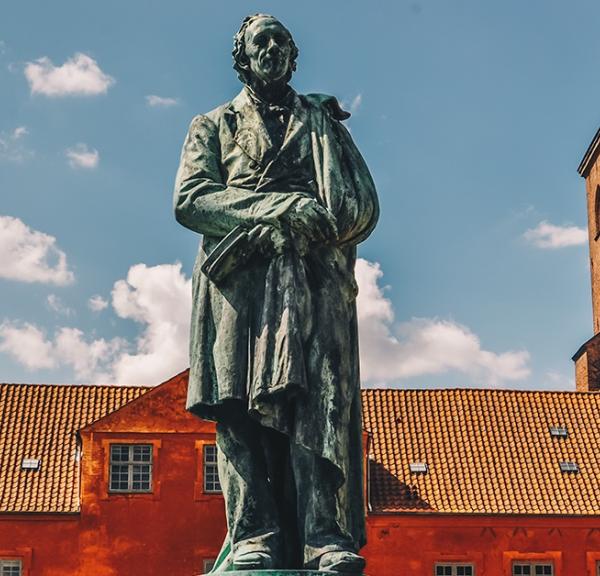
251,134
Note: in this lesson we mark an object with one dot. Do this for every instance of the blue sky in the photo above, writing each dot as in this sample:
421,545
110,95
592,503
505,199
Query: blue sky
472,116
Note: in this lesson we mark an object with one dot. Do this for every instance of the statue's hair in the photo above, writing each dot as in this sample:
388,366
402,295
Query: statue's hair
240,60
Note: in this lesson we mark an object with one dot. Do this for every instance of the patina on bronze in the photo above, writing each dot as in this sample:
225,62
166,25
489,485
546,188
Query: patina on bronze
281,195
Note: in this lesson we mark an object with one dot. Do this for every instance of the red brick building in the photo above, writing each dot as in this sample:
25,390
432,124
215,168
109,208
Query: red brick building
121,481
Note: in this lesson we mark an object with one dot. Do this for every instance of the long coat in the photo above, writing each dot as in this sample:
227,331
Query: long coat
280,334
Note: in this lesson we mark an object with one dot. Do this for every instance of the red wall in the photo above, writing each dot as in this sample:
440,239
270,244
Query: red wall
171,531
144,538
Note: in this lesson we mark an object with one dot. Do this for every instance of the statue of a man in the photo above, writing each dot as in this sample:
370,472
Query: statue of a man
281,195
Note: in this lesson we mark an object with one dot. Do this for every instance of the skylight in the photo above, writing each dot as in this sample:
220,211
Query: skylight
30,464
418,467
558,431
569,467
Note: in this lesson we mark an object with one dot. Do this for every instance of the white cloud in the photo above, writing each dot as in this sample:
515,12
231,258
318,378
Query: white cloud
353,105
19,132
97,303
28,255
80,75
158,298
550,236
391,352
80,156
56,304
161,101
12,147
356,103
27,345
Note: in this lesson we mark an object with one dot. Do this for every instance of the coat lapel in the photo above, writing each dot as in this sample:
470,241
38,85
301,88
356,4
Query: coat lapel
250,132
296,143
296,125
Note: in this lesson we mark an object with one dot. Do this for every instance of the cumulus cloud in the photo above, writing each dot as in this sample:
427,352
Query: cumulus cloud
27,344
158,298
80,75
161,101
97,303
28,255
80,156
56,304
391,351
12,145
30,346
550,237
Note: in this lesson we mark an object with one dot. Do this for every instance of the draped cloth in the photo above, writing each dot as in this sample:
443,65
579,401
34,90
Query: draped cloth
280,336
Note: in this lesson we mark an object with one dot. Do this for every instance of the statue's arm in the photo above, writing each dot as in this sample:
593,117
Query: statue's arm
356,225
205,204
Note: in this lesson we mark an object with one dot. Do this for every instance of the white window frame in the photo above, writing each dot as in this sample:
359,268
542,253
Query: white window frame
7,565
131,465
210,471
535,564
454,566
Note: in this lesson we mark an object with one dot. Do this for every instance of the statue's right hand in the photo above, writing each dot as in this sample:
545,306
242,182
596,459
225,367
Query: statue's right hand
268,239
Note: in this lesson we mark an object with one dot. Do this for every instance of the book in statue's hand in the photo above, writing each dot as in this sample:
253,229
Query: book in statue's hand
230,253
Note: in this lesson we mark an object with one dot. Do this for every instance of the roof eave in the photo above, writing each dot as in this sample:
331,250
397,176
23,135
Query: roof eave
590,156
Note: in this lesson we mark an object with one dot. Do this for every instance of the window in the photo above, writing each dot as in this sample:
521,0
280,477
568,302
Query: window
211,472
207,565
569,467
10,568
597,213
532,569
130,467
559,432
454,570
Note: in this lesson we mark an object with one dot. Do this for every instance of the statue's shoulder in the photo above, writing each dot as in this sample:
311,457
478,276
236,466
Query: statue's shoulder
328,103
212,118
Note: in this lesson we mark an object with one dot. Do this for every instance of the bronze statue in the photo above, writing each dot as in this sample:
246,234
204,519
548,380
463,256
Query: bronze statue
281,195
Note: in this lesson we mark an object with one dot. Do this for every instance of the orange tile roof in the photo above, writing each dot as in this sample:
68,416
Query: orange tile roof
487,451
41,421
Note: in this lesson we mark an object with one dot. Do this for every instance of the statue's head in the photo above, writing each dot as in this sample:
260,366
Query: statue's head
264,49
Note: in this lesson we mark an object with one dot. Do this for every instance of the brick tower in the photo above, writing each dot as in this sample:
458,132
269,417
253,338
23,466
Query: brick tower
587,358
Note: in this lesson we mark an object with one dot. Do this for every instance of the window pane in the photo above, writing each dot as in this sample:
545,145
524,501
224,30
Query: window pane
211,472
142,453
119,453
131,467
10,567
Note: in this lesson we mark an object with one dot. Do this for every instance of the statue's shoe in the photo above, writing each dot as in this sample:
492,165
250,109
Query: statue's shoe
342,561
252,561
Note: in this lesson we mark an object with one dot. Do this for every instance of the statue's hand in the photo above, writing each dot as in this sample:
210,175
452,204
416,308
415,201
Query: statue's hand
312,221
268,239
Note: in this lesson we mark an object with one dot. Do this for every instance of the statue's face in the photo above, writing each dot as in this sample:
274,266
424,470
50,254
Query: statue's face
268,50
